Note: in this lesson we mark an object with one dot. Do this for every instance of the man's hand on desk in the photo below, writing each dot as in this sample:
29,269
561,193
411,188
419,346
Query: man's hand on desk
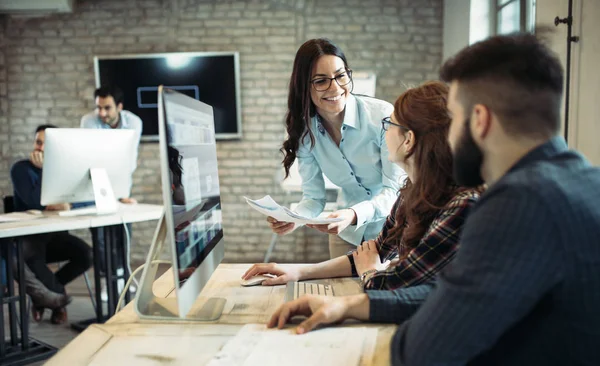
59,207
321,310
128,200
284,274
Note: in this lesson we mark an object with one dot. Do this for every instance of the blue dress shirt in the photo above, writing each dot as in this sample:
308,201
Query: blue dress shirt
369,182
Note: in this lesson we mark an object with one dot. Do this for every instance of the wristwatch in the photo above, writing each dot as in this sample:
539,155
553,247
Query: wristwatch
365,274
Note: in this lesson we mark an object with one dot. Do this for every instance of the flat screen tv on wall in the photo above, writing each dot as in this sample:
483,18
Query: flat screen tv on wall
211,77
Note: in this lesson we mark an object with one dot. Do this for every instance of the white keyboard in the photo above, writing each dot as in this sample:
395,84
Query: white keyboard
295,290
79,212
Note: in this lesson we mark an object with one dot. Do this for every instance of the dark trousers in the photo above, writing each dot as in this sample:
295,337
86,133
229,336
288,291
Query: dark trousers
39,250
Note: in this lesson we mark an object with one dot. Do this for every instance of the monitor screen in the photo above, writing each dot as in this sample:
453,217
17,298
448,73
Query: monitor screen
194,197
212,78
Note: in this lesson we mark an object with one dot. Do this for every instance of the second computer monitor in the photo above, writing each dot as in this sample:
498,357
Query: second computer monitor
190,192
70,154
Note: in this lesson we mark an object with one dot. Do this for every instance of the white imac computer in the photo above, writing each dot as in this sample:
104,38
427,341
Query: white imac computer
87,165
192,224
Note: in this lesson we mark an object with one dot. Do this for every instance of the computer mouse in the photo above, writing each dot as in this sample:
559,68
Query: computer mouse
254,281
34,212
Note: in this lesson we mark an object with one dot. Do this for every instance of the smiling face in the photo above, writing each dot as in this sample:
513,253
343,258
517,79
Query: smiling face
331,102
107,110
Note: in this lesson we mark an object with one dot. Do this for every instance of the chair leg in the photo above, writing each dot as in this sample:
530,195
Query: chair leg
271,246
89,288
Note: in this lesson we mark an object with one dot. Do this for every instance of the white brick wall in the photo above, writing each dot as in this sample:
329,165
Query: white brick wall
46,76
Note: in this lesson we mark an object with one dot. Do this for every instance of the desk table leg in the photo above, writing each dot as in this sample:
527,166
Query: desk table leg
108,257
3,288
10,285
113,237
97,280
21,350
23,299
125,262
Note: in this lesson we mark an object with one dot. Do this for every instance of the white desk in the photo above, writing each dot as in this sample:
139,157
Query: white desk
32,350
51,222
126,340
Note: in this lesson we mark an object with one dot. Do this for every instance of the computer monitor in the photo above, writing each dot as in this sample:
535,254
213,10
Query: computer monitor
192,224
83,165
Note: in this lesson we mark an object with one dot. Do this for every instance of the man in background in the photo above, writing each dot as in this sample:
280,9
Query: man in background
109,114
38,250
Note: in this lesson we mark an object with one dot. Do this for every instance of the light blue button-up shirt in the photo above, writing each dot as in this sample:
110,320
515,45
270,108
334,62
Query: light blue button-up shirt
369,182
127,120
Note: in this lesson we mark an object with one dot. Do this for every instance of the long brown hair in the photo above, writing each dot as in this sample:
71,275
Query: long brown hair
300,106
423,111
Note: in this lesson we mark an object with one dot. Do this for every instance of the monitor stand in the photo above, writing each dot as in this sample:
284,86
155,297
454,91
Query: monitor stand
106,203
149,306
104,197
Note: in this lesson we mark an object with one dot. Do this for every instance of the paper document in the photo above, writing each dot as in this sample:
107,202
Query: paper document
255,345
19,216
269,207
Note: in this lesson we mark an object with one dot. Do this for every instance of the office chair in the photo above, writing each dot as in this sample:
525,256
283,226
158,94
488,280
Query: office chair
9,204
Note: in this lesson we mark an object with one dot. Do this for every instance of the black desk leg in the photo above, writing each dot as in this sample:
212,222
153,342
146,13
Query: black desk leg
98,275
12,310
113,238
117,247
108,256
23,302
21,350
3,288
98,280
125,237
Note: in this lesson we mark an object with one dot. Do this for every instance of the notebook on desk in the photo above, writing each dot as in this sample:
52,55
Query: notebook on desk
256,345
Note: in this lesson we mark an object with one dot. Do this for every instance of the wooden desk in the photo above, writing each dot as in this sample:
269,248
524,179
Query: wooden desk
14,350
125,340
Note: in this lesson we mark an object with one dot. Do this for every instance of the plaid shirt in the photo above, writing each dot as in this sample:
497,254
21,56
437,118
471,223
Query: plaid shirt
436,249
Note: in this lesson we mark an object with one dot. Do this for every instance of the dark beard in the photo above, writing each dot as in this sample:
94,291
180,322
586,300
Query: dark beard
467,160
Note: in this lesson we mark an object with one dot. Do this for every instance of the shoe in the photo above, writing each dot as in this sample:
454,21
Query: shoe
59,316
37,313
41,296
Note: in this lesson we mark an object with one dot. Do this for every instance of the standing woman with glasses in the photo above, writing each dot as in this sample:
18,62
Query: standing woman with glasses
334,132
421,234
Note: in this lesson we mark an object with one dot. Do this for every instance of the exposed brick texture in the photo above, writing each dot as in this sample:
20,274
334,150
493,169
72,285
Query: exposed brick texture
47,76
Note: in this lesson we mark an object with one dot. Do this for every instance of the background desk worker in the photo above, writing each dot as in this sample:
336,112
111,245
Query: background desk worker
109,114
334,132
41,249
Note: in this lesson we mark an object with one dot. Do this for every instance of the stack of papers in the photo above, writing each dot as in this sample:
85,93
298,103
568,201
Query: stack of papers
267,206
255,345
